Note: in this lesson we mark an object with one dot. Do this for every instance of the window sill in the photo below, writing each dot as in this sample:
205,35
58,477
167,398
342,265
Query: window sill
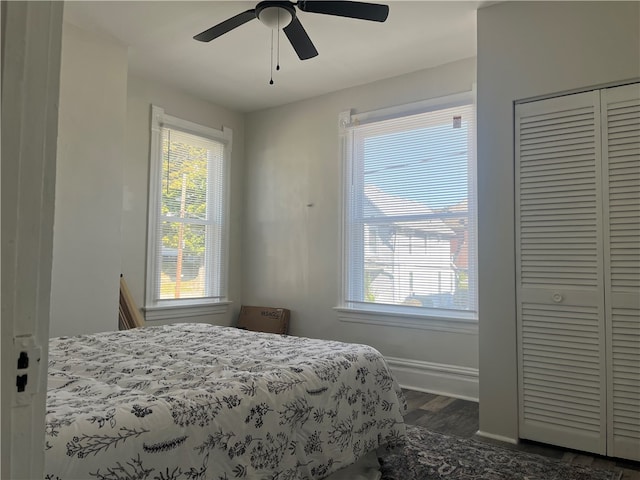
177,312
409,320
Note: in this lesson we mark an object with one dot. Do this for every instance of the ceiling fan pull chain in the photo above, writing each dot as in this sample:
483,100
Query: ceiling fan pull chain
271,81
278,63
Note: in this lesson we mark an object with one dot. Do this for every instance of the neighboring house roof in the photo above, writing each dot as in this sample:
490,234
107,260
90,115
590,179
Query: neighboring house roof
379,203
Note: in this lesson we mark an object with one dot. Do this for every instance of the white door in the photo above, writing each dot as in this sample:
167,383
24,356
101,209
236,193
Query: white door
31,43
621,192
561,346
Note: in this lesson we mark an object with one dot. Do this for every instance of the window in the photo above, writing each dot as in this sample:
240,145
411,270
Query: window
409,210
187,247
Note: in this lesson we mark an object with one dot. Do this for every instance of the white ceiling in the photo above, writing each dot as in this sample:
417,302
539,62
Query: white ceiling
234,70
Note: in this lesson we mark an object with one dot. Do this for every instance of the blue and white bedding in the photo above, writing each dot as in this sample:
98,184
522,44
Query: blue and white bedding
196,401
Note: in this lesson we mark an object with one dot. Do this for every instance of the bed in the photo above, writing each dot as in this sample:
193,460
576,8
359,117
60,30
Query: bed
196,401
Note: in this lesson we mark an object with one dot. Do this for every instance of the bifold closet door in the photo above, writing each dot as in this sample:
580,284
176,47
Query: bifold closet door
621,191
559,243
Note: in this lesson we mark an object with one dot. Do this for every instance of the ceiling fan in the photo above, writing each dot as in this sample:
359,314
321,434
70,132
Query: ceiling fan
282,14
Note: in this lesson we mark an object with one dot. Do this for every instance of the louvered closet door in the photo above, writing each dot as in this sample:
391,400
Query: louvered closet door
562,382
621,165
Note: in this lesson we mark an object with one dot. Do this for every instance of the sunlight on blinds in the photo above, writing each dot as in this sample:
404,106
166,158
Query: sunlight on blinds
411,211
191,214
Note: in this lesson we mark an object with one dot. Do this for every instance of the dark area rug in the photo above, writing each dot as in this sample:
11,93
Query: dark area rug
433,456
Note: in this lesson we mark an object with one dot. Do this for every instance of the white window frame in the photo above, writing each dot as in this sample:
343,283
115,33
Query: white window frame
172,309
404,315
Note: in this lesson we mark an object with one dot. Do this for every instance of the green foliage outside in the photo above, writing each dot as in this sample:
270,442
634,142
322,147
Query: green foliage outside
461,294
184,168
188,289
370,296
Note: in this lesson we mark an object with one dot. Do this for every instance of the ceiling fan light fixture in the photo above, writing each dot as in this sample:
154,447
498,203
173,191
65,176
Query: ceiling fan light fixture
275,16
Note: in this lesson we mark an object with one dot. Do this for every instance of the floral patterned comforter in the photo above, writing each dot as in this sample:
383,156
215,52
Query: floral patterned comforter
196,401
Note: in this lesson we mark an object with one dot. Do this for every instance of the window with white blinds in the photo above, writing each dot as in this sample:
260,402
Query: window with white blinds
188,212
410,209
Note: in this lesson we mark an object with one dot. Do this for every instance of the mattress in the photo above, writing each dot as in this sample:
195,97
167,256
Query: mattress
196,401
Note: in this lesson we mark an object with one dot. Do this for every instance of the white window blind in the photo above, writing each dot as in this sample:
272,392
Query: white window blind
410,229
188,232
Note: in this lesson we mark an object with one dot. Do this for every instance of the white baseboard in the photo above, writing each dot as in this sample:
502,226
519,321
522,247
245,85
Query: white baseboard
441,379
499,438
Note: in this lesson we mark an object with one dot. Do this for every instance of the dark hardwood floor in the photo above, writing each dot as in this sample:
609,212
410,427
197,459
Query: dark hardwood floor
451,416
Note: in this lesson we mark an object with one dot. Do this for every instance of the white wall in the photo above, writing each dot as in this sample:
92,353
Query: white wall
291,251
88,207
527,49
141,94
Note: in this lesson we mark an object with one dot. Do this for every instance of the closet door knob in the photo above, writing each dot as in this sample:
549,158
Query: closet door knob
556,297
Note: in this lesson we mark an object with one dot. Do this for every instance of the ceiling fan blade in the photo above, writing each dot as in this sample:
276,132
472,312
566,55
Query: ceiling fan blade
299,39
361,10
226,26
